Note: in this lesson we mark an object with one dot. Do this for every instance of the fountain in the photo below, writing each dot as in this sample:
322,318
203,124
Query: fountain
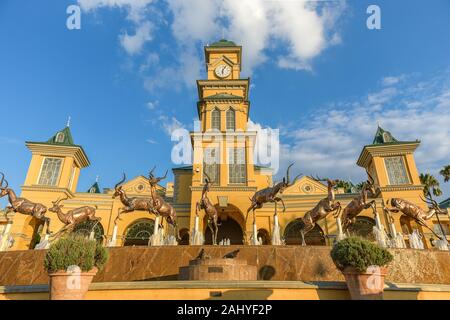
254,237
157,238
415,240
341,235
276,237
379,232
44,243
112,242
197,238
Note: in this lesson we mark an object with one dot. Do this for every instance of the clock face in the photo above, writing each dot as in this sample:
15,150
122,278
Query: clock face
223,71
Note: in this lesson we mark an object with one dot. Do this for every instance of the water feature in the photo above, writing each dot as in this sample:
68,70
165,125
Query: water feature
416,240
197,237
276,236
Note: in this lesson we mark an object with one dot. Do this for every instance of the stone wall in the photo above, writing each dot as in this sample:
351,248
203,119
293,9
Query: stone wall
273,263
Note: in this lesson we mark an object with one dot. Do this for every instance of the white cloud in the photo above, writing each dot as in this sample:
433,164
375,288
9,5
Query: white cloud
169,124
389,81
330,141
151,105
151,141
133,43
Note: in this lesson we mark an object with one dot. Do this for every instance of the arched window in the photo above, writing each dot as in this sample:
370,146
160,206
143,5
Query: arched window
85,228
292,234
231,119
215,119
362,227
138,234
59,137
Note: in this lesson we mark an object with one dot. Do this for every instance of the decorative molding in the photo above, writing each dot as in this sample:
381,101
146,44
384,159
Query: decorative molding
226,188
401,188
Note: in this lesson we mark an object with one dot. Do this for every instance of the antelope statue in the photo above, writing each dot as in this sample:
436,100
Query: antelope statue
270,194
73,217
411,212
210,210
130,204
360,203
22,205
159,206
321,210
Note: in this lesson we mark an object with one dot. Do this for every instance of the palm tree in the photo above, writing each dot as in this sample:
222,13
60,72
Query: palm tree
430,183
346,185
445,172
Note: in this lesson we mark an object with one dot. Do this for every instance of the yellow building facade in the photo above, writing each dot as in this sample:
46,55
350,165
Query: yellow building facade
223,148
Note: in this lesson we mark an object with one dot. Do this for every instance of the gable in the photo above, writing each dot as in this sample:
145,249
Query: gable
223,59
306,186
140,185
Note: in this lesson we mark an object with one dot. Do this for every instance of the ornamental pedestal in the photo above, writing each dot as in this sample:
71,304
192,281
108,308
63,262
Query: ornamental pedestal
218,269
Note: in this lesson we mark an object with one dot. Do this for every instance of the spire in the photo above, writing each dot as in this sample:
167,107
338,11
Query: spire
68,122
95,188
382,136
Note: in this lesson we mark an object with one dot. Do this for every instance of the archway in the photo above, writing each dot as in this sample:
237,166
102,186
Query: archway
362,227
263,234
138,232
292,235
184,237
86,227
231,221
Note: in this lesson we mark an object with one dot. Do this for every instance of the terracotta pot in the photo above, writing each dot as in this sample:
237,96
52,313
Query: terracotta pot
70,286
367,285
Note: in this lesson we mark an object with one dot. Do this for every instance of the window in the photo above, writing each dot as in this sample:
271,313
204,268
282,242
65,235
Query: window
231,119
50,171
59,137
396,170
236,165
211,163
72,177
215,119
437,228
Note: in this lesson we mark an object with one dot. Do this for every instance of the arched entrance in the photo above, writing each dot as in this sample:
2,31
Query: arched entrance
86,227
292,234
138,232
362,227
231,221
263,234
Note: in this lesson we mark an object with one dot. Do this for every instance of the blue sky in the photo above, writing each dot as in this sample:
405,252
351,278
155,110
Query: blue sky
127,77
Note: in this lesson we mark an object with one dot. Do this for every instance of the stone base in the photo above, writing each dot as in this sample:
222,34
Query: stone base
218,269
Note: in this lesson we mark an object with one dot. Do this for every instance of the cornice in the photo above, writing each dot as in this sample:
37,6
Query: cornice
390,150
225,188
42,188
401,188
76,152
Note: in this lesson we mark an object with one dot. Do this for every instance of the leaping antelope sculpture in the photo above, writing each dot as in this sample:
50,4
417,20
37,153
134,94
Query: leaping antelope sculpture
73,217
210,210
360,203
130,203
270,194
159,205
22,205
412,211
321,210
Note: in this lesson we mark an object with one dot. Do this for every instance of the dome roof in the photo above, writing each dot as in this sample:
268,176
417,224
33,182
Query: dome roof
223,43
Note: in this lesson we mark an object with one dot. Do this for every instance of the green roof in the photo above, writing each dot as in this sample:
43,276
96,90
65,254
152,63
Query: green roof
183,168
94,188
63,137
222,96
382,136
445,204
223,43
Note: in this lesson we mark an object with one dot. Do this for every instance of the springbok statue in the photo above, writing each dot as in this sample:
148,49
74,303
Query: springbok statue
73,217
210,210
159,206
270,194
130,203
322,209
360,203
412,211
22,205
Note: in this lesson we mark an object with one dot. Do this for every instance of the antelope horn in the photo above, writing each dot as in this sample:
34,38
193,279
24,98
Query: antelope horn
295,179
3,178
207,176
59,200
7,184
372,180
287,173
150,174
121,181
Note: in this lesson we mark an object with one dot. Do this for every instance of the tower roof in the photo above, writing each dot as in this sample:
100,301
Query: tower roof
383,136
445,204
223,43
94,188
63,137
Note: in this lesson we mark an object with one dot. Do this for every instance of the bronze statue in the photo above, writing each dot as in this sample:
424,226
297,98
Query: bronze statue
321,210
22,205
210,210
411,212
73,217
130,204
159,206
269,194
358,204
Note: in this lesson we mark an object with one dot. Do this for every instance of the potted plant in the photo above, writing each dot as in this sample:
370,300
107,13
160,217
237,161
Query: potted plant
72,263
363,265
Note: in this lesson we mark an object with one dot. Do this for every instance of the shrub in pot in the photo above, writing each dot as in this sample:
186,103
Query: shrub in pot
72,263
363,265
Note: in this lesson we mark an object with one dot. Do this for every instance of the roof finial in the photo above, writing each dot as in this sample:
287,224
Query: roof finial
68,122
223,33
378,123
96,178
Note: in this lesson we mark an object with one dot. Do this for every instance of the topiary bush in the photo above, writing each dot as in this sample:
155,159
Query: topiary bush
75,250
359,254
